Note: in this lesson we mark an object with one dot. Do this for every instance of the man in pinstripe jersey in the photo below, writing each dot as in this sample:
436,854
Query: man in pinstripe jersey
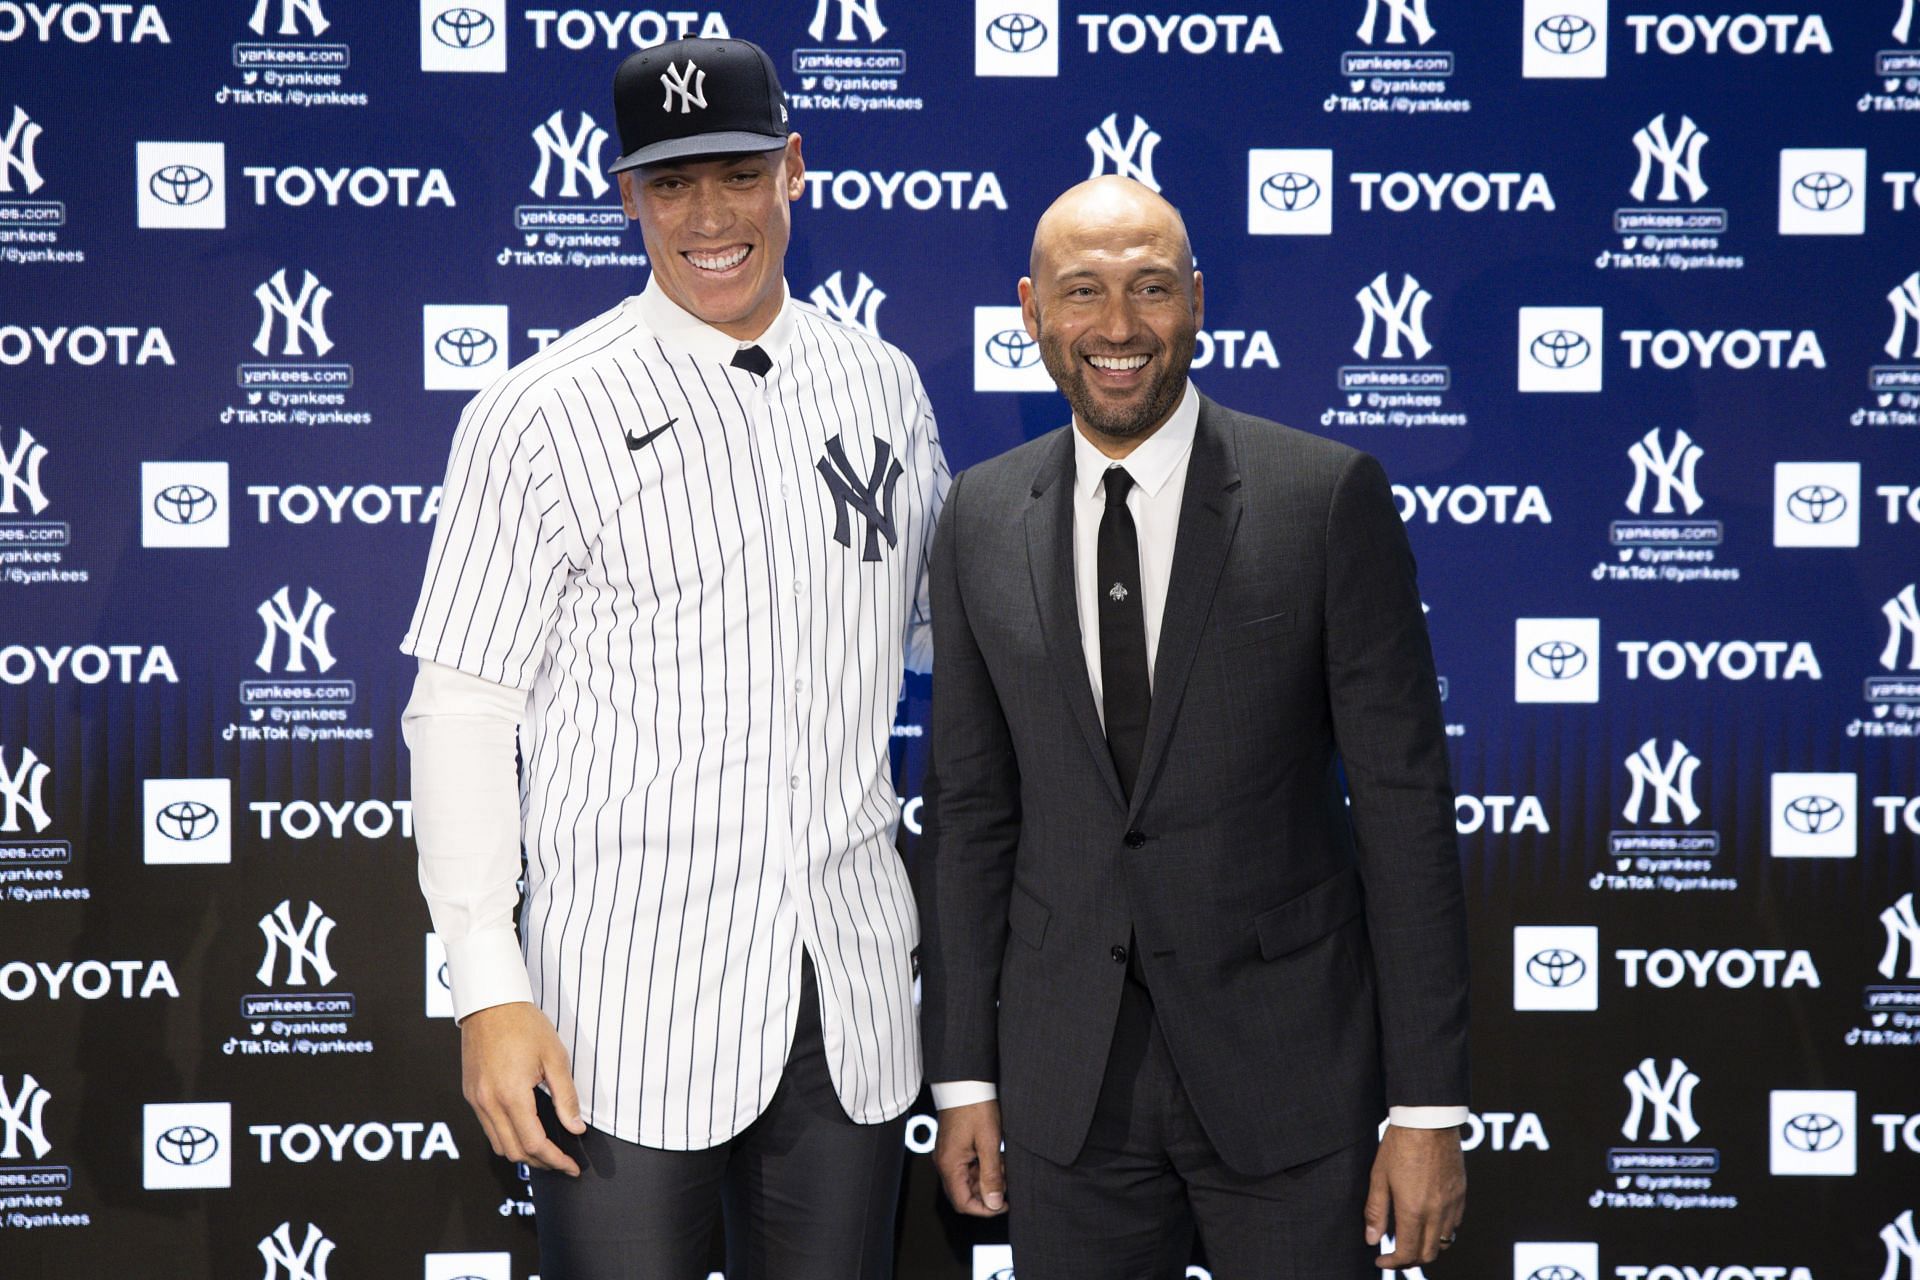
680,565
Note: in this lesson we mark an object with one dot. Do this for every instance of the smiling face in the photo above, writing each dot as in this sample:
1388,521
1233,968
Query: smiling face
1114,303
716,231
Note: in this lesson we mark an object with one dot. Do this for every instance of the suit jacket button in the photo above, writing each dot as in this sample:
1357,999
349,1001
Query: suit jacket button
1135,838
1119,954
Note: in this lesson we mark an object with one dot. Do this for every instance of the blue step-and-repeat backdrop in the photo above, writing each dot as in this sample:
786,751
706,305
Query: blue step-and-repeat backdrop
1625,295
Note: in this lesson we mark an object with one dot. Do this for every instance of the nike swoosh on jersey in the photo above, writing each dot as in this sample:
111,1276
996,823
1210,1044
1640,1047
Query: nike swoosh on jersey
635,443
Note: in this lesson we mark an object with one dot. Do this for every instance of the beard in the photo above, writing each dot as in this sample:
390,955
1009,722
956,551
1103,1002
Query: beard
1153,406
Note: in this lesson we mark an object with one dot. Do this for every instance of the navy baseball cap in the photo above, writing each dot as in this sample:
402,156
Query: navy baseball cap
695,98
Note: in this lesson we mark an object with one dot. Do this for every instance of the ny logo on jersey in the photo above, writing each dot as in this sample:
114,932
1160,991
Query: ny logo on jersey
289,11
851,494
866,12
1670,1101
284,1262
1671,784
1901,926
303,314
23,1115
306,943
16,153
23,789
1679,158
1130,159
1400,15
306,631
1673,469
861,310
688,83
1399,317
20,475
579,155
1905,298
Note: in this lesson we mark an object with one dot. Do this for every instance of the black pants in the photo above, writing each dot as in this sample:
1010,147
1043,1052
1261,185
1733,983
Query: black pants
808,1194
1128,1207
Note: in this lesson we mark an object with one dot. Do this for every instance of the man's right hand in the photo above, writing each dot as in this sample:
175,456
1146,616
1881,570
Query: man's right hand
505,1050
967,1154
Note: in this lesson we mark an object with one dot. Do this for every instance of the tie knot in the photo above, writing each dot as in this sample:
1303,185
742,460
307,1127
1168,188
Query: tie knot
753,359
1118,482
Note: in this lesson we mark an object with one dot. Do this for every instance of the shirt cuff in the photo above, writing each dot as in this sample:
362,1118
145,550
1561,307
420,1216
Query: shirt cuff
963,1093
486,968
1427,1117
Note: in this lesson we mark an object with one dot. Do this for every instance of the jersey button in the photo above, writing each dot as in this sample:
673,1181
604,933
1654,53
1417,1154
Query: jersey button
1119,954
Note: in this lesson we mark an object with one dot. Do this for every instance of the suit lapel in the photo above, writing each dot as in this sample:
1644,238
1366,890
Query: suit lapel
1050,560
1209,514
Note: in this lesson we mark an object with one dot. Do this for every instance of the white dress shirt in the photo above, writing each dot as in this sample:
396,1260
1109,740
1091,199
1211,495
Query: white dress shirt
694,589
1158,466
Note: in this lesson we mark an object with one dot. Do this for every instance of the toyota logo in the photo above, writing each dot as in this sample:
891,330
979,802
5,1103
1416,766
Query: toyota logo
1816,504
186,1145
1290,192
1013,349
187,820
463,28
1556,1272
465,347
1812,1132
180,184
1555,967
1560,349
1814,815
1565,33
440,975
1556,660
185,504
1016,33
1822,192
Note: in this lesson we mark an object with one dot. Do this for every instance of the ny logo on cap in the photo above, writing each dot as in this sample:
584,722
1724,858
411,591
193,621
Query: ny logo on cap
689,83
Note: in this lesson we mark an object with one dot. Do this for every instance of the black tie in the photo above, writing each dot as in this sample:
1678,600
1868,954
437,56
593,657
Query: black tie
753,360
1123,632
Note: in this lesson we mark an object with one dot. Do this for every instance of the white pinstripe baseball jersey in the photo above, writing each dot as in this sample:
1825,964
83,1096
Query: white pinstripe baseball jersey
709,583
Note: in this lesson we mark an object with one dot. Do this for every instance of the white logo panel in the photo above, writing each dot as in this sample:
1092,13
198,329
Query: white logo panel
187,1144
468,1266
181,185
187,821
1560,348
1289,192
1823,191
463,35
1816,504
1005,356
1556,659
1016,37
1812,1132
184,504
992,1262
1562,1260
1815,815
463,348
1564,40
1556,967
439,985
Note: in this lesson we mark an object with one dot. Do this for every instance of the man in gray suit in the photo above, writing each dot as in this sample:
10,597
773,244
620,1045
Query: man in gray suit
1191,908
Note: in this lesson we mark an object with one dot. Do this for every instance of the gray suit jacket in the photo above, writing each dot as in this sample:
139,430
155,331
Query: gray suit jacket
1307,959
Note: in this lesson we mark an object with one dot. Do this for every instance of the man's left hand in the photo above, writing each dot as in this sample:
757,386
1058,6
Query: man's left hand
1419,1191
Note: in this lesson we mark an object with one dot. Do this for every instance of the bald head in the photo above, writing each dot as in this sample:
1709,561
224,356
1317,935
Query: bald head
1108,209
1114,303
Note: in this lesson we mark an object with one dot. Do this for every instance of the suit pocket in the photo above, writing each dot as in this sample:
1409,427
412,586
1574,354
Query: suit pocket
1027,916
1236,635
1309,916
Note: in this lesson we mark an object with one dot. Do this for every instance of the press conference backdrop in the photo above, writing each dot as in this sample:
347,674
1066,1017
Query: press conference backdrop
1626,297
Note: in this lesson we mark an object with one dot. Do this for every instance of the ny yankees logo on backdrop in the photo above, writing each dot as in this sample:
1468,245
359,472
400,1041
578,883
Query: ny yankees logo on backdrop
851,493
